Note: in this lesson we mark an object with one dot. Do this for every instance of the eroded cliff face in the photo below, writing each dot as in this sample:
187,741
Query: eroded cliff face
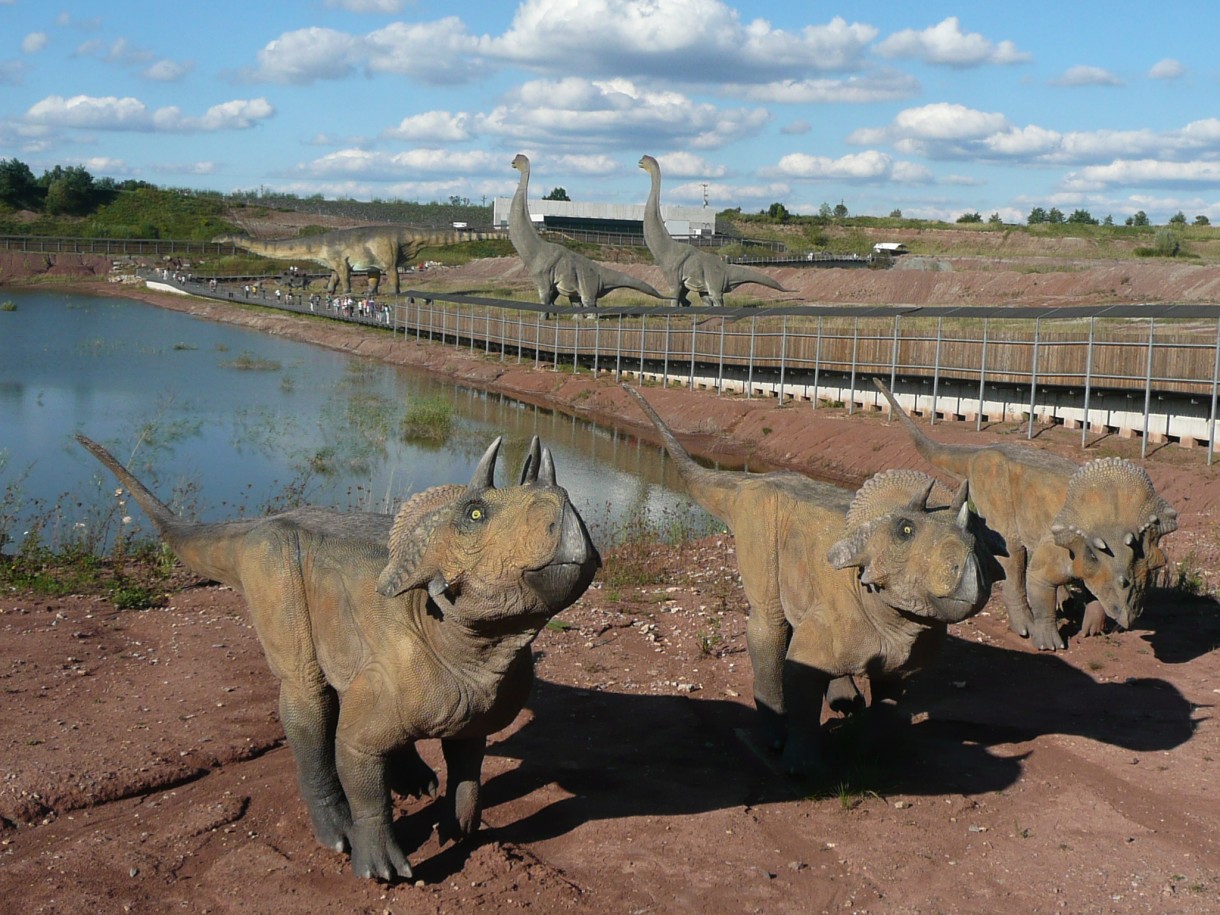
20,266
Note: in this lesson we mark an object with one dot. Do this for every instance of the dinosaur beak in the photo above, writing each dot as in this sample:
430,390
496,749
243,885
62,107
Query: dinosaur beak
576,560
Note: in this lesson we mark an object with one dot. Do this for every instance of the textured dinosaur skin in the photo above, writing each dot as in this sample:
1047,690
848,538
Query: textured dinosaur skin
557,270
386,630
1096,525
838,584
688,269
380,250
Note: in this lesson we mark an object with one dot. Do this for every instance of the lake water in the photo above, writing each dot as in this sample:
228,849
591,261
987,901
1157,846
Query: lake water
222,421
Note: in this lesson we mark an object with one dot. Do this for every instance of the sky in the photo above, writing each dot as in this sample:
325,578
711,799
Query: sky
933,109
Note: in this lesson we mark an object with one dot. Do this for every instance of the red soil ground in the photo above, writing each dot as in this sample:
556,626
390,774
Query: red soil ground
145,769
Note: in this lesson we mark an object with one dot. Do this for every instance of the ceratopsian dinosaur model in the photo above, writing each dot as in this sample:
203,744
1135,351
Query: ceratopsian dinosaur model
1097,524
688,269
377,647
557,270
377,249
838,585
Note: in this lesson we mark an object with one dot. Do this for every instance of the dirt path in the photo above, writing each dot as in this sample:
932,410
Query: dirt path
145,769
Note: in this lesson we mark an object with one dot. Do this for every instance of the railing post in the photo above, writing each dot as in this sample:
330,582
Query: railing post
618,353
690,384
783,348
1088,384
665,364
1148,386
597,333
817,365
978,417
750,363
936,370
641,349
537,339
720,371
555,349
1033,380
855,350
1211,428
894,355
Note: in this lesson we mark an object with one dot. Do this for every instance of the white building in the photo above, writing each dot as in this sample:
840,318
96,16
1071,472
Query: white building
617,218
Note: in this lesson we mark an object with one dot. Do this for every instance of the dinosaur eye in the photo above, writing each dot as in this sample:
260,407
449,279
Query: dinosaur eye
905,529
476,512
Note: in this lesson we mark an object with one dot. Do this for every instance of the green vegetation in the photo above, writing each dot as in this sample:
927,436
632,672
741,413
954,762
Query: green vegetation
248,362
428,420
8,305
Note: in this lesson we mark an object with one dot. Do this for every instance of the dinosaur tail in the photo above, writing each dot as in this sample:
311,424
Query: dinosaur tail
952,458
617,279
712,489
206,549
739,275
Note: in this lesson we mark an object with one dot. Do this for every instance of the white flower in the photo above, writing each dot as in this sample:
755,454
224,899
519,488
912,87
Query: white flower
127,519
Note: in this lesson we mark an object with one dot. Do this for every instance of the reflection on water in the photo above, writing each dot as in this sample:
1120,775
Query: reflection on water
223,421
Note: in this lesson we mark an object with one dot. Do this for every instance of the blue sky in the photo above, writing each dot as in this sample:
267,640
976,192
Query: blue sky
935,109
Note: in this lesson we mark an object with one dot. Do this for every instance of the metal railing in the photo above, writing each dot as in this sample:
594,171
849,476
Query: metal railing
1146,370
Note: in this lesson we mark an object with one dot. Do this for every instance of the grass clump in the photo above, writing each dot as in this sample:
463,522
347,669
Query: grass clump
8,305
428,420
248,362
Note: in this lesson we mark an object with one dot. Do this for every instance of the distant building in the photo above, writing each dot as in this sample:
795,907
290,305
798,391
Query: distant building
620,219
892,248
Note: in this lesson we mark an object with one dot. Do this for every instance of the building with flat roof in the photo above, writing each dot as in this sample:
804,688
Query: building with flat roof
613,218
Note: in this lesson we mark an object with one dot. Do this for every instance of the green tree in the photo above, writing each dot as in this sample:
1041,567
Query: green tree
840,210
1108,221
895,213
778,212
17,185
970,217
1082,218
1202,220
556,194
1178,219
1055,216
1037,216
70,191
825,212
1140,218
995,220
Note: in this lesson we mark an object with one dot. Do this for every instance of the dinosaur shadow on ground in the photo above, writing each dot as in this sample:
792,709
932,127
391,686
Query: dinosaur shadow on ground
1180,626
618,755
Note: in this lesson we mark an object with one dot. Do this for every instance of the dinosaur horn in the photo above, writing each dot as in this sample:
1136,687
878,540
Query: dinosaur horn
961,496
547,470
529,469
919,502
484,474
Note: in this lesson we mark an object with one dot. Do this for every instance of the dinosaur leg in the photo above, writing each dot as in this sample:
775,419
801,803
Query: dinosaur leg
1094,622
409,775
1041,586
767,640
345,276
805,686
843,696
309,713
362,766
374,280
1020,620
463,765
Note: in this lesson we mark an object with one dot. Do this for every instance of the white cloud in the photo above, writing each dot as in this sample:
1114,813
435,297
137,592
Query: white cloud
112,113
166,71
1167,69
185,168
386,7
885,86
11,72
796,128
1084,75
945,121
34,42
433,126
688,165
1144,173
868,166
616,112
436,53
946,44
383,166
689,40
306,55
120,51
